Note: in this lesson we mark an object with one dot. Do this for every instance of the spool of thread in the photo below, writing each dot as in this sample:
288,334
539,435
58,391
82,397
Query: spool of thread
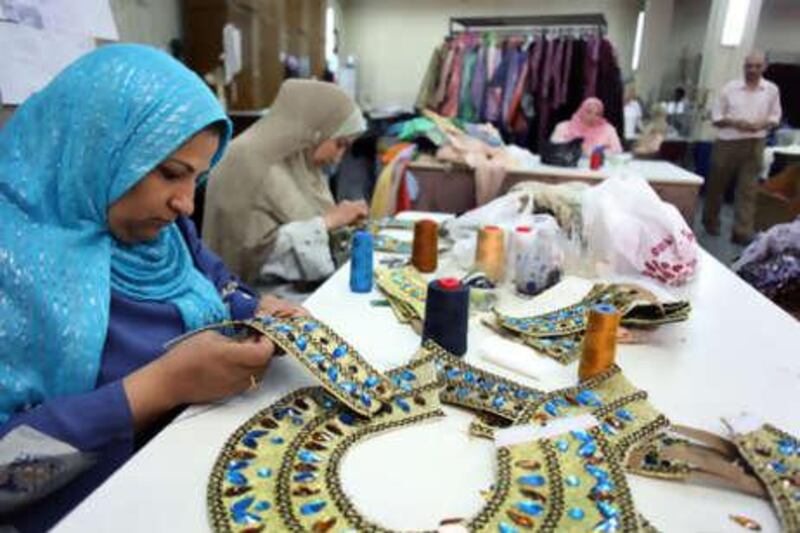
425,251
361,262
447,315
490,254
522,243
600,342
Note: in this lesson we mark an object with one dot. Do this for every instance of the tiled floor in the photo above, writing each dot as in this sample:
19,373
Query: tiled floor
720,247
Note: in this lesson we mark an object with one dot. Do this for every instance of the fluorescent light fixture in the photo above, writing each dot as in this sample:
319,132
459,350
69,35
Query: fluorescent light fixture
735,21
330,36
637,43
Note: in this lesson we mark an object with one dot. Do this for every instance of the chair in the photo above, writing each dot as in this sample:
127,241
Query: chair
778,199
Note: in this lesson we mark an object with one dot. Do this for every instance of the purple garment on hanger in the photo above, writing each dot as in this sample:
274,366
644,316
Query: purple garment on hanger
609,86
547,69
566,68
555,76
494,93
479,81
534,63
591,66
544,88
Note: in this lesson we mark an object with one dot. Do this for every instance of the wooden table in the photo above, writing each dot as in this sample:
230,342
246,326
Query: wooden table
449,188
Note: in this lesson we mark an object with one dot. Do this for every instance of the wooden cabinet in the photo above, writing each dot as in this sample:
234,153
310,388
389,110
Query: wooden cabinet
271,29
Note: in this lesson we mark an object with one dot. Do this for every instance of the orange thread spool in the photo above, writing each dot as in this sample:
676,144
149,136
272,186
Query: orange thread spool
425,250
490,255
600,342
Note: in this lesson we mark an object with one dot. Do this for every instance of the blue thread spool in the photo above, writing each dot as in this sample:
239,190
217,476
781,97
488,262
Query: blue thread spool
447,315
361,262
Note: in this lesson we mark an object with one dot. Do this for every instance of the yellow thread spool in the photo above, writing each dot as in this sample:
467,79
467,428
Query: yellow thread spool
600,342
490,256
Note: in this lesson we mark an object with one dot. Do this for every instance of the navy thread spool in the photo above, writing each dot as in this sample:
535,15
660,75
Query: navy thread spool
361,262
447,315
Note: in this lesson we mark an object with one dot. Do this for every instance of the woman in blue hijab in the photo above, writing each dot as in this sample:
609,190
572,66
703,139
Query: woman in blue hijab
100,267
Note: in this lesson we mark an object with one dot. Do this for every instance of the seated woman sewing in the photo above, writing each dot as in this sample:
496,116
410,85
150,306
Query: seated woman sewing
100,267
269,209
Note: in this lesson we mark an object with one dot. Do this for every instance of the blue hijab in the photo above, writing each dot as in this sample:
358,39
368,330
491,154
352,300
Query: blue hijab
66,155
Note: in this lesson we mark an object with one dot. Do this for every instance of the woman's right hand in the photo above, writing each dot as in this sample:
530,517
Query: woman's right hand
345,213
203,368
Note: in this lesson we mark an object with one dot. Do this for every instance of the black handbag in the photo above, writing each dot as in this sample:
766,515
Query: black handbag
562,154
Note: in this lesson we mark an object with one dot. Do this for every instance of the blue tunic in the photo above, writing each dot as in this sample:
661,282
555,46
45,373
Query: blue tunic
100,421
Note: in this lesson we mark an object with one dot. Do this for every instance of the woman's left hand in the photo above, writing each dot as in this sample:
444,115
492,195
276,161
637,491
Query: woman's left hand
272,306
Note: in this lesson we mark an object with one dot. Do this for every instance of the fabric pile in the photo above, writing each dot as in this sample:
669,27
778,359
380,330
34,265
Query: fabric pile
432,137
771,264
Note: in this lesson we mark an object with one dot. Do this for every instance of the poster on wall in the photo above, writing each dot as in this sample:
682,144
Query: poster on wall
41,37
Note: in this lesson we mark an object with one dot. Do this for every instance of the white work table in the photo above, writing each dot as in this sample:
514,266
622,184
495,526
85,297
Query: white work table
737,352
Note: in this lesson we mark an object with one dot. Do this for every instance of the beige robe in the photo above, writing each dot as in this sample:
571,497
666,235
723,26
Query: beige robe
267,179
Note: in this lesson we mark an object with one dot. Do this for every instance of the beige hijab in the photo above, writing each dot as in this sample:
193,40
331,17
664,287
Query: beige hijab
267,179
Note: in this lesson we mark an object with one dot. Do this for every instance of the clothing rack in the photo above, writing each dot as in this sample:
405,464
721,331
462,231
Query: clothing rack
530,24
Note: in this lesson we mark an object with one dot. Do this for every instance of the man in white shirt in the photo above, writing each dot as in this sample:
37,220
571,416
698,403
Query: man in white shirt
743,113
632,113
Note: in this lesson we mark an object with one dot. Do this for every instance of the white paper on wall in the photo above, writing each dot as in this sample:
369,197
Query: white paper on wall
32,57
84,17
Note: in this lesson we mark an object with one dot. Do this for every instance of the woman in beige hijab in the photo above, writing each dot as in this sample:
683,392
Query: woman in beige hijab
268,205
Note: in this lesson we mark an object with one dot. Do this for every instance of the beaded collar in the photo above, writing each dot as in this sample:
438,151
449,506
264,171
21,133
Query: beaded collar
559,334
549,486
625,415
280,469
338,367
774,456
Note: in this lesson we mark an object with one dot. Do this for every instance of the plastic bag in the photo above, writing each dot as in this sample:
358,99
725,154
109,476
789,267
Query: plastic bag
630,230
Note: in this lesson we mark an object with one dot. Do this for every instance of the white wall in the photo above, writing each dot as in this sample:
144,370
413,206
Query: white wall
393,39
689,24
778,31
153,22
656,44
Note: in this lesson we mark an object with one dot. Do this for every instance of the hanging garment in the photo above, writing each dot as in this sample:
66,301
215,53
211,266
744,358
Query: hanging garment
511,82
494,93
493,57
444,75
479,82
544,88
591,65
430,81
535,55
565,72
466,106
450,106
556,73
610,89
517,120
